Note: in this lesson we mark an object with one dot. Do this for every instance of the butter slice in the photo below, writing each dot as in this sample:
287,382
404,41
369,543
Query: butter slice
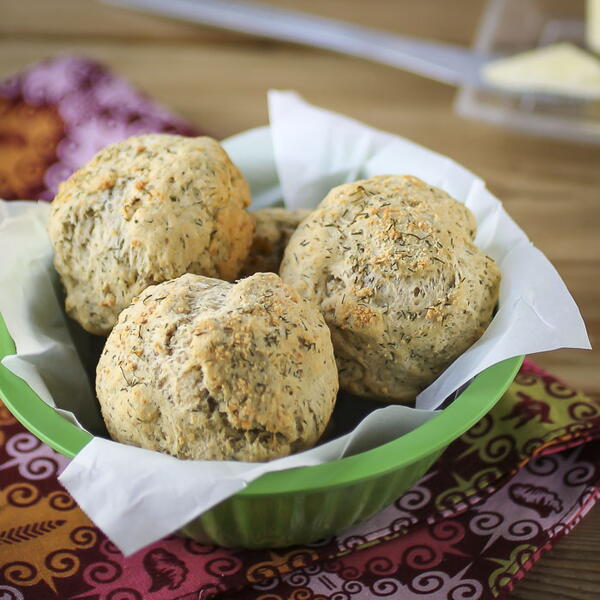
560,68
592,25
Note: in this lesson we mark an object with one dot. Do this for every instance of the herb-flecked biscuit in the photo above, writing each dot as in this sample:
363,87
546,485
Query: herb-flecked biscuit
392,265
274,227
203,369
146,210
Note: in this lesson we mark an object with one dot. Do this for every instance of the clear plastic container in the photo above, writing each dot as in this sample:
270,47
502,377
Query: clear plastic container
513,26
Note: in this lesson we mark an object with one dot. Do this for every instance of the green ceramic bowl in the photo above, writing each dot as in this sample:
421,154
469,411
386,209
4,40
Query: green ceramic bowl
299,505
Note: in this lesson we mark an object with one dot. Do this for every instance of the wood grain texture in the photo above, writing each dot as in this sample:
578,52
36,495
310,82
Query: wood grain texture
219,79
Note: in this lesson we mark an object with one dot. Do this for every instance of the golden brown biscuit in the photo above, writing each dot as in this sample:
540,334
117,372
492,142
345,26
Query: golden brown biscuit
274,227
392,265
203,369
146,210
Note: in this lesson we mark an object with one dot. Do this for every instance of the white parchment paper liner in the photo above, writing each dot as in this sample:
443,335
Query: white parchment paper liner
137,496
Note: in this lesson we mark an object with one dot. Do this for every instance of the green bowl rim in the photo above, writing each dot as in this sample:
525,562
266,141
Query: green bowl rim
470,406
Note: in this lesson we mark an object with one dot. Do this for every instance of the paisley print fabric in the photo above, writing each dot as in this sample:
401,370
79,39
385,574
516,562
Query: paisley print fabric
470,529
56,115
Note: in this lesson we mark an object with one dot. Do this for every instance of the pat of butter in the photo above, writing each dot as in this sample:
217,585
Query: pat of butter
561,69
592,25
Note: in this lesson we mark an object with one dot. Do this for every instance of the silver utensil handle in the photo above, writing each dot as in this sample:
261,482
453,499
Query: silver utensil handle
443,62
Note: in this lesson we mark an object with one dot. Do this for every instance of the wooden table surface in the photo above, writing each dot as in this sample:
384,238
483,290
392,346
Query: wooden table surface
218,80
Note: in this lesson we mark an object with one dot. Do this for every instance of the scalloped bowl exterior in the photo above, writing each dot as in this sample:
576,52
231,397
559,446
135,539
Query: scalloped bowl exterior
297,506
302,505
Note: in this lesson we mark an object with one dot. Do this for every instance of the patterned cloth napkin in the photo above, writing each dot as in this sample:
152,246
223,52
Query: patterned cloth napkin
499,496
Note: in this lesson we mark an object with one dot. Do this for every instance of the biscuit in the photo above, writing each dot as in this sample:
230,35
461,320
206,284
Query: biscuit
202,369
391,263
142,211
273,229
